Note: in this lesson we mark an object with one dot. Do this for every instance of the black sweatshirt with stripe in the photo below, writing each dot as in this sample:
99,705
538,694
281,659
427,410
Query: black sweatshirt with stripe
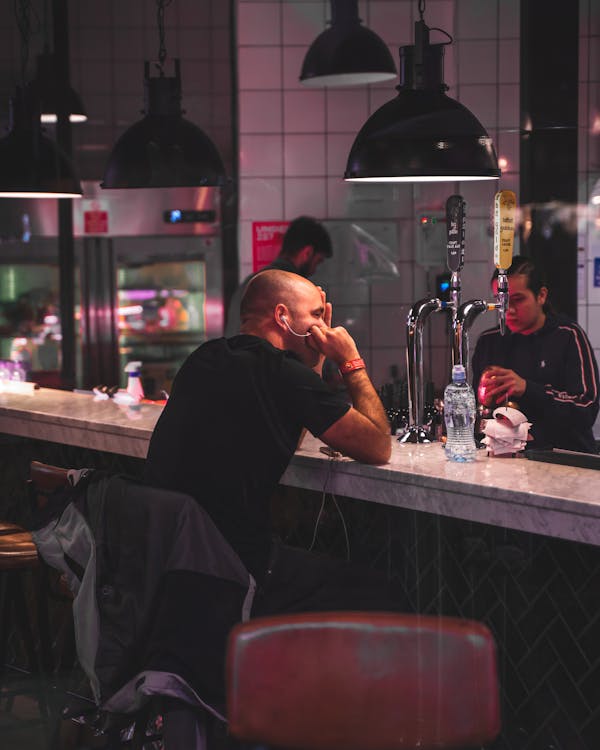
558,363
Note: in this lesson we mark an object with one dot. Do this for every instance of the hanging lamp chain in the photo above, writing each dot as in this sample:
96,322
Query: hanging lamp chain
421,7
28,23
160,20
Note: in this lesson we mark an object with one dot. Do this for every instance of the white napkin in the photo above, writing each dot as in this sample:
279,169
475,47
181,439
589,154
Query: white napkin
508,432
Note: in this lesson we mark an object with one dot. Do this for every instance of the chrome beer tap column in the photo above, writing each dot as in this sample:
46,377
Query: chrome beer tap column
468,312
455,252
417,431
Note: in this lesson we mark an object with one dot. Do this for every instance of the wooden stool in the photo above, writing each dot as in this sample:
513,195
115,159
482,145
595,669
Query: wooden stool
18,557
362,681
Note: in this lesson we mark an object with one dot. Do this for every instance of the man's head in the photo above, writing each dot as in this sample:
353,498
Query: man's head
527,296
306,244
282,308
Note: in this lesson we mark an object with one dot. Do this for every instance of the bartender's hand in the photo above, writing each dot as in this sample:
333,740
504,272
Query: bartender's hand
500,384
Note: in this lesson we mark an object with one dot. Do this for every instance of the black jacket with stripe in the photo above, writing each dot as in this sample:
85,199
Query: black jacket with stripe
558,363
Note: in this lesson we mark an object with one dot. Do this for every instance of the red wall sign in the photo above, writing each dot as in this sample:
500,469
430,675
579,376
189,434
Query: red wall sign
95,222
267,237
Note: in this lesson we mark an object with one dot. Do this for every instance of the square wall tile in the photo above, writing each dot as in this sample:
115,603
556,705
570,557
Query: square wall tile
261,199
293,57
509,115
338,148
388,325
304,111
261,155
509,19
259,68
392,22
593,329
302,22
382,362
479,197
477,61
508,148
475,19
481,101
439,13
261,111
510,58
304,195
339,198
347,110
259,23
304,155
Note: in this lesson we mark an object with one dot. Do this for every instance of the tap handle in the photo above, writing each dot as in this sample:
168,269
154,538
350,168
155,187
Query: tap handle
505,204
455,232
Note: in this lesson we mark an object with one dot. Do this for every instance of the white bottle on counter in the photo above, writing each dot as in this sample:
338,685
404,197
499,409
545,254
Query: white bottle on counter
134,382
459,415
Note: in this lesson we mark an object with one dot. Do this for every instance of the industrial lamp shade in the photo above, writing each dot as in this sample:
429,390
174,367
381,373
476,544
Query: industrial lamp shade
32,165
46,88
347,53
163,149
422,135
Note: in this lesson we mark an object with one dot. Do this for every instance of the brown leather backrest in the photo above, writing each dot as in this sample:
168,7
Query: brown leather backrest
362,681
44,479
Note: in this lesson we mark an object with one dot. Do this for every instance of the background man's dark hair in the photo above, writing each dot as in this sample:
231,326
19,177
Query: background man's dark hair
304,231
535,276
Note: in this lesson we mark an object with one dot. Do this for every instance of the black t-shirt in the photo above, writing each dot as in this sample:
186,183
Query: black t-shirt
229,430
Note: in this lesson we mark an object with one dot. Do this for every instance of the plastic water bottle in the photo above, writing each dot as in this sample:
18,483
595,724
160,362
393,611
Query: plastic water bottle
459,415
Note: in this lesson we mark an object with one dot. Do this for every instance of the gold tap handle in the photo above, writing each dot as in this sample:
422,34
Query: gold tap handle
505,205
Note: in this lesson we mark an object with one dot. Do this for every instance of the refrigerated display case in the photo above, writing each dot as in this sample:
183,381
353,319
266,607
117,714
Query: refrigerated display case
161,318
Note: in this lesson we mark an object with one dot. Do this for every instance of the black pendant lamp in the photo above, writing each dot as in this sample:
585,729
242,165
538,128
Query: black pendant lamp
163,149
347,53
45,88
422,135
32,165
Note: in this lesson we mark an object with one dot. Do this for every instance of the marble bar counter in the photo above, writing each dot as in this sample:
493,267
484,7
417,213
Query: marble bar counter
79,419
515,493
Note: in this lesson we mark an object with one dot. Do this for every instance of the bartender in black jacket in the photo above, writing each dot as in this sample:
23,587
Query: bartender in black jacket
544,362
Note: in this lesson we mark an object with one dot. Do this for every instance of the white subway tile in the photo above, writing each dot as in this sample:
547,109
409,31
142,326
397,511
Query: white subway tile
347,109
259,68
259,23
261,111
477,61
302,22
304,111
304,155
304,195
261,198
261,155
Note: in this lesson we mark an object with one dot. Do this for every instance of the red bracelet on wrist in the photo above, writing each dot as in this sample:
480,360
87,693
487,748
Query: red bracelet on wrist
351,365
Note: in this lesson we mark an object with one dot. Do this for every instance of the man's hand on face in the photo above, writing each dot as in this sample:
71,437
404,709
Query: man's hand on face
501,383
334,343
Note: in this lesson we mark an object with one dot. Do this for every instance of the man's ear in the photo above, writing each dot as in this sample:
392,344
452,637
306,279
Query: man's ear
280,313
304,255
542,295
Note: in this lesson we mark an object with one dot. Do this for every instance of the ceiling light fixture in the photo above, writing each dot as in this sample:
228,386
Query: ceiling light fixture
163,149
32,165
422,135
45,88
347,53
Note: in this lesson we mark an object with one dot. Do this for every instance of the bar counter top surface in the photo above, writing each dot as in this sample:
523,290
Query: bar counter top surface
543,498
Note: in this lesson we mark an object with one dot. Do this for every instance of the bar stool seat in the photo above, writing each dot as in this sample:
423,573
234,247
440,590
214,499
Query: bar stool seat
17,551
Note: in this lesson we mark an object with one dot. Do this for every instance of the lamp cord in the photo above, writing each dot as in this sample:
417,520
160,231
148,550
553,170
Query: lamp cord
160,20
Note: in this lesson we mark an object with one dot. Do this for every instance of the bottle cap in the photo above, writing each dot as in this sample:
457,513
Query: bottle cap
458,374
133,368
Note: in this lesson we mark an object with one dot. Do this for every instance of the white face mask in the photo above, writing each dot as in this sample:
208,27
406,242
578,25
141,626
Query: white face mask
291,330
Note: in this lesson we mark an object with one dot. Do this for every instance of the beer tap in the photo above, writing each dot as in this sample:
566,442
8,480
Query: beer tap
416,431
505,204
504,231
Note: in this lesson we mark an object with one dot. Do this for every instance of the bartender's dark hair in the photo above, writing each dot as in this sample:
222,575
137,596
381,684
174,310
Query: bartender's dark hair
303,231
535,276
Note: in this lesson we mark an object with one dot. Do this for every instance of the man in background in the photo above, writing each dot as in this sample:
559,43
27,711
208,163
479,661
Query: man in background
305,246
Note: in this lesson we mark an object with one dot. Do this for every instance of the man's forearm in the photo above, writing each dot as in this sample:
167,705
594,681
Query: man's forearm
365,399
